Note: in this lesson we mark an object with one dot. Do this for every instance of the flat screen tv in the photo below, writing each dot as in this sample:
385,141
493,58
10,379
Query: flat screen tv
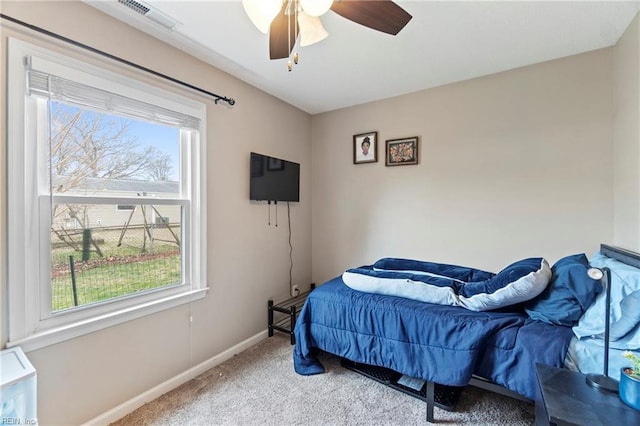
273,179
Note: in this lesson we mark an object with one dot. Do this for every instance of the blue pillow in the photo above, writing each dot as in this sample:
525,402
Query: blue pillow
625,283
569,294
629,316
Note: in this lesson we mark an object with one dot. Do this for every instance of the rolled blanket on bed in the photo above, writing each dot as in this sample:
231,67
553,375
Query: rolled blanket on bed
456,272
427,282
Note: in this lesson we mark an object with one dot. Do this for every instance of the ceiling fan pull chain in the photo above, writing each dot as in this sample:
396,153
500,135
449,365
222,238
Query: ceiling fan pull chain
289,65
296,7
292,9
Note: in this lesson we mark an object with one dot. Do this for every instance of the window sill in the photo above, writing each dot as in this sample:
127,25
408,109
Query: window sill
80,328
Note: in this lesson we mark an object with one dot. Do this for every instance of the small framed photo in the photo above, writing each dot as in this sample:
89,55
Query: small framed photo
400,152
365,148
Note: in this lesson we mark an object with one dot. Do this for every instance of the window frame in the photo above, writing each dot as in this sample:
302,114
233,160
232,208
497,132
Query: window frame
31,323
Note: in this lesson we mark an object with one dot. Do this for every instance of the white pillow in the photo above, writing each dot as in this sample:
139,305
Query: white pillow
518,291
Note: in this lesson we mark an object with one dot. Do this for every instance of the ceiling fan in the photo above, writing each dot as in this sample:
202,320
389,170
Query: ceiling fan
284,20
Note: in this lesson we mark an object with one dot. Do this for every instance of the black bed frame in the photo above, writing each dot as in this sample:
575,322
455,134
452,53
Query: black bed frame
623,255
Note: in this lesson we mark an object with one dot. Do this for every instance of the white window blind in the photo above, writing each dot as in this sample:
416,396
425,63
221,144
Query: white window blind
41,83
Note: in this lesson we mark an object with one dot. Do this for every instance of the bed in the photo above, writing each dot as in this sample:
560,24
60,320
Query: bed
450,345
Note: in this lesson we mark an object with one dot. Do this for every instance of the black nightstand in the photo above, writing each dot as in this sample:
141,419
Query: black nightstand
567,399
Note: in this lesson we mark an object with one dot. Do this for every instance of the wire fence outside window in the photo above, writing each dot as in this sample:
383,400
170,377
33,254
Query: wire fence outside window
100,263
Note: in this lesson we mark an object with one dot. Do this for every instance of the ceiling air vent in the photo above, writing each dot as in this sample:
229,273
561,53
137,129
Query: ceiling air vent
135,6
153,14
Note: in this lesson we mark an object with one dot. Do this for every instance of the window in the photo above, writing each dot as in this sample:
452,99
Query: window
106,197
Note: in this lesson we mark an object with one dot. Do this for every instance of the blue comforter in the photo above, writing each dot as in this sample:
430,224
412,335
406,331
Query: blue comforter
443,344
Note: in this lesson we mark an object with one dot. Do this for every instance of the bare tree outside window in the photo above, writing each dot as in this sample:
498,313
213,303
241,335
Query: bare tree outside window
160,170
86,143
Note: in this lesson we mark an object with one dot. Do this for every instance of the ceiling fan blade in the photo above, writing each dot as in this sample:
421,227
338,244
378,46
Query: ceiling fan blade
381,15
284,24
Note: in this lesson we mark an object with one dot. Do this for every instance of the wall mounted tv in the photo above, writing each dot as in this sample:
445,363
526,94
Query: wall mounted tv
273,179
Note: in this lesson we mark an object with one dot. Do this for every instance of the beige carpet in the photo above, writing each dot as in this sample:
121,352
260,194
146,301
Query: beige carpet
259,386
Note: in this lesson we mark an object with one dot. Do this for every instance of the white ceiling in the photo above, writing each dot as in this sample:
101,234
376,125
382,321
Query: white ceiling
445,42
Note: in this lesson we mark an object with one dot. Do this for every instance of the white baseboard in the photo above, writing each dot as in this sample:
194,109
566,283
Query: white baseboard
159,390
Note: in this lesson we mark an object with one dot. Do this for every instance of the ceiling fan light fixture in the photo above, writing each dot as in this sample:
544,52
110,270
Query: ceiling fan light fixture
262,12
311,29
316,7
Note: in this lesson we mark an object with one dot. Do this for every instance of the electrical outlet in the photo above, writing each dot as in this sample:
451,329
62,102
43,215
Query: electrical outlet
295,291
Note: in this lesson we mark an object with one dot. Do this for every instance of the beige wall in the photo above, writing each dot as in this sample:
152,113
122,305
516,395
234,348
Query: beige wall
627,138
248,261
513,165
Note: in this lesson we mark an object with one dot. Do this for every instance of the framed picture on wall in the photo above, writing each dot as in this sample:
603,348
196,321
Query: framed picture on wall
401,152
365,148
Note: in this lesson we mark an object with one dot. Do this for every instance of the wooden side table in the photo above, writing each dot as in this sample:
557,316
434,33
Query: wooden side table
567,399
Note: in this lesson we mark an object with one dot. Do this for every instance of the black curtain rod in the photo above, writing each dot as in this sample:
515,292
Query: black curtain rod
218,98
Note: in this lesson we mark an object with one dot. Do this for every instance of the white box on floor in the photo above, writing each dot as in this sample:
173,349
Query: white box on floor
18,388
